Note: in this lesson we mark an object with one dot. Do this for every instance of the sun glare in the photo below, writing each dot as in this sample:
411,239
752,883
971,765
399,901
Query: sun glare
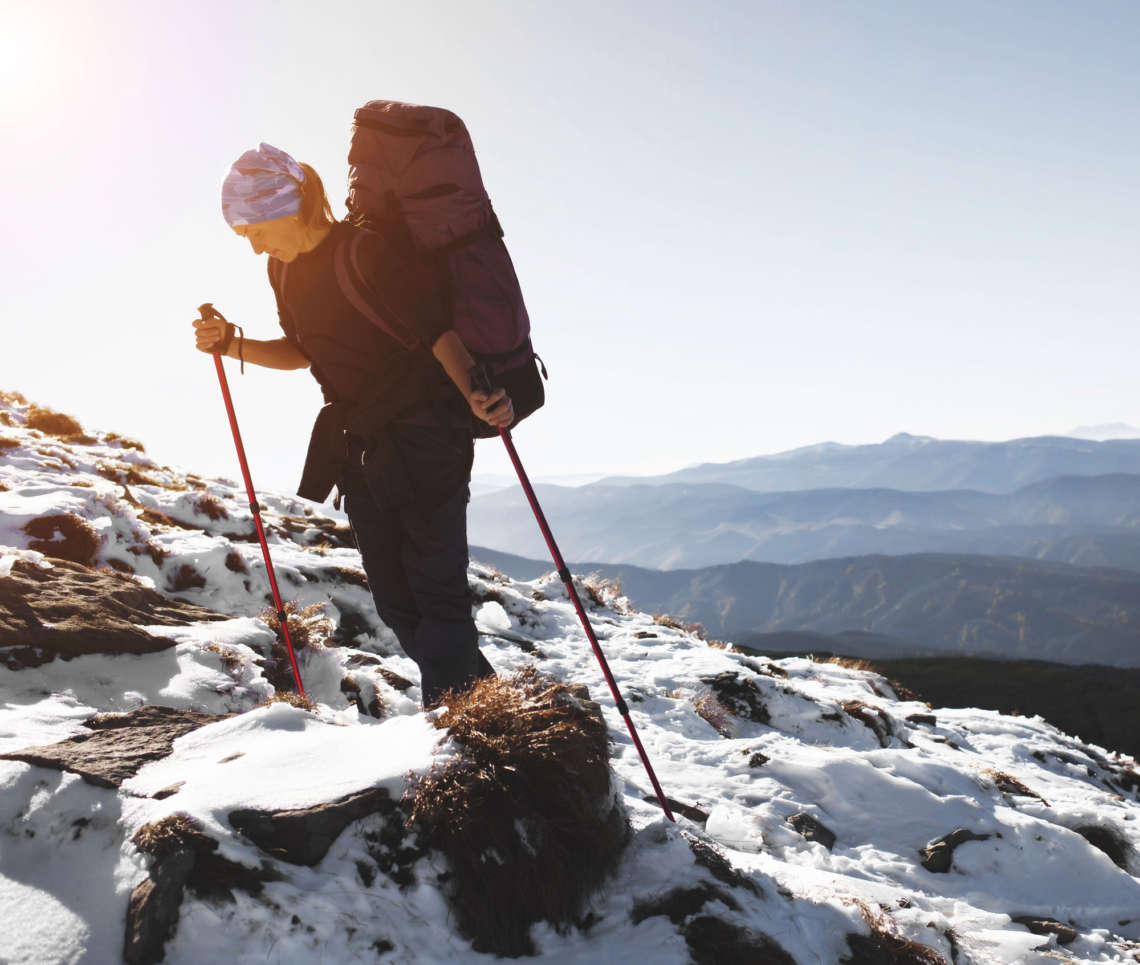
32,63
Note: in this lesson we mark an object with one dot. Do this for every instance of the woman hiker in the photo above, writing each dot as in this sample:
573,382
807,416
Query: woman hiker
396,435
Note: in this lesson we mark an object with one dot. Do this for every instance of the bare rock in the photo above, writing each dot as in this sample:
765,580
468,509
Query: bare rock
1108,840
681,903
1048,926
883,948
812,829
304,835
181,856
740,695
714,941
72,609
939,854
152,912
118,746
873,718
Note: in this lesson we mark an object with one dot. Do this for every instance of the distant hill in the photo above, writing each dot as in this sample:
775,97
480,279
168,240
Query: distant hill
955,605
1098,703
917,463
1087,520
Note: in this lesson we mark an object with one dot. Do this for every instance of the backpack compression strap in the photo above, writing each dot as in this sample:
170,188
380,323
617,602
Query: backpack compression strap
346,265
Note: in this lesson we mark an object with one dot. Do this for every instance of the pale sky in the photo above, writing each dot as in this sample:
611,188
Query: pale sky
740,227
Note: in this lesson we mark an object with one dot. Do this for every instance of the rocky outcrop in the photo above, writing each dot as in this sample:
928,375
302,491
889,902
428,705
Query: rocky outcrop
181,857
939,854
118,745
304,835
812,829
69,610
740,695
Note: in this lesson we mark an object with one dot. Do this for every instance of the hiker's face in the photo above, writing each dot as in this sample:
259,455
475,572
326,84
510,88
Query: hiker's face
282,238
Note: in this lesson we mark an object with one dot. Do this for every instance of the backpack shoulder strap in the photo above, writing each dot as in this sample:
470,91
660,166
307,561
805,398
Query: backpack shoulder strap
347,267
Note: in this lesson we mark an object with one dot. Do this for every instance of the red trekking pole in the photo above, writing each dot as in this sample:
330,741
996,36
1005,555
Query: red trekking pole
483,383
206,312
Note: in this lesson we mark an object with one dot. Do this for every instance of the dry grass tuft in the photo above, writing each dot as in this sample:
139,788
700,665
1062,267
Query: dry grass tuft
606,593
123,442
166,836
290,698
884,946
309,629
664,620
211,507
524,812
715,713
158,554
7,442
851,663
186,577
127,475
235,563
231,659
13,398
64,536
53,423
1009,784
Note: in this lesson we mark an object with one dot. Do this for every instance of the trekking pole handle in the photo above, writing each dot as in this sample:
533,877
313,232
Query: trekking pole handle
206,312
480,380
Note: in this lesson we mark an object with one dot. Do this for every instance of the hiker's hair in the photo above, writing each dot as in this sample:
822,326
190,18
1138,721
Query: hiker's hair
314,202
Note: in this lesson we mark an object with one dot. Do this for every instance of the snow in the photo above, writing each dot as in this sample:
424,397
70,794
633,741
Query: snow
67,865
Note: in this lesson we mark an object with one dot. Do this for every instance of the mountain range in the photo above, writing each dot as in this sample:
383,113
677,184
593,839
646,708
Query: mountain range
1082,519
893,606
909,462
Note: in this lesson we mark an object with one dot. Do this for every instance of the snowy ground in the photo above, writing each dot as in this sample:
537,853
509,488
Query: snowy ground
837,746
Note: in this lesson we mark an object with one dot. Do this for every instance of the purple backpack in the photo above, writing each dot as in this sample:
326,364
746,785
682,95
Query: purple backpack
412,169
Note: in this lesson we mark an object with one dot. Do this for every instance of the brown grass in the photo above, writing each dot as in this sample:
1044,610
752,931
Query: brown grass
883,946
291,698
235,563
524,812
664,620
113,438
1008,784
13,398
64,536
53,423
7,442
605,593
231,659
210,506
851,663
158,554
309,629
186,577
166,836
127,474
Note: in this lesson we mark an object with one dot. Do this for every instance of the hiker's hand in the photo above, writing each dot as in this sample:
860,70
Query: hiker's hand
213,335
494,408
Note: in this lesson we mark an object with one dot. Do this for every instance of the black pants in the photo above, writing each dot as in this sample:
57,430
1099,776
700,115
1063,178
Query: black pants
406,497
